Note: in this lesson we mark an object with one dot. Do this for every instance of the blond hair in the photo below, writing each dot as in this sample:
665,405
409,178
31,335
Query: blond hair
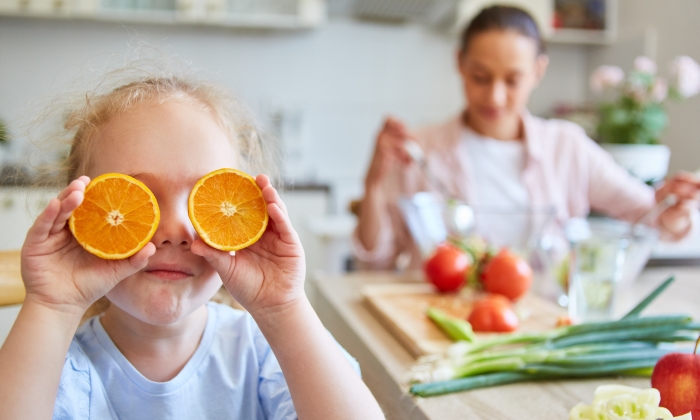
121,90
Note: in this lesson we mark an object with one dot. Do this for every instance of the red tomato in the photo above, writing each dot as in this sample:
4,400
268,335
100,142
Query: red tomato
493,314
507,274
447,268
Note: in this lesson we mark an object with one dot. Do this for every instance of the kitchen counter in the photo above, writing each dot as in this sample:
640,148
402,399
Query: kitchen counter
385,363
11,286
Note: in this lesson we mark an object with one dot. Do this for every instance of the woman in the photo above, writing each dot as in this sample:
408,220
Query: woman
496,154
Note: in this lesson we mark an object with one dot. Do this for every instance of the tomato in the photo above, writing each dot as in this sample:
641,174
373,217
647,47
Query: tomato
493,313
507,274
447,268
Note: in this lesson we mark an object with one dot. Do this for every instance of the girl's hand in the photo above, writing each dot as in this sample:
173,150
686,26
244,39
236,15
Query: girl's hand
677,218
388,151
57,272
270,273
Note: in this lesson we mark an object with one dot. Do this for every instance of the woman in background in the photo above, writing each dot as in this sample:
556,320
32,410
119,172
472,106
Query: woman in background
496,154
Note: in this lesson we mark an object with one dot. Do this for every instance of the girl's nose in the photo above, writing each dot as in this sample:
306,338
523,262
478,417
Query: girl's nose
175,227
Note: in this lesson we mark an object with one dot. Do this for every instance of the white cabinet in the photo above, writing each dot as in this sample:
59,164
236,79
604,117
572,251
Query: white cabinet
18,209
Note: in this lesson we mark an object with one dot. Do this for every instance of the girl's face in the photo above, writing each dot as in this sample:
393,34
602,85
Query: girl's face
499,70
168,147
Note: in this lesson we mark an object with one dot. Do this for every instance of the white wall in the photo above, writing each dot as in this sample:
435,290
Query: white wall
675,24
344,76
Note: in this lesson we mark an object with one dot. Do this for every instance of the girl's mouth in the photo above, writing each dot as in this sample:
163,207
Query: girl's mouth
169,272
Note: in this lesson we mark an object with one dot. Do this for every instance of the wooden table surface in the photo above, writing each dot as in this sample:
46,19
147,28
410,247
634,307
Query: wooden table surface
11,286
385,363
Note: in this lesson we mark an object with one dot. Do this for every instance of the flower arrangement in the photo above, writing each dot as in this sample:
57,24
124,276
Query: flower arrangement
638,115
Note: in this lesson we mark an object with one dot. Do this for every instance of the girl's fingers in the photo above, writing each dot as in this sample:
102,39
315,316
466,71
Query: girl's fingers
39,231
76,185
140,259
270,194
282,224
121,269
68,204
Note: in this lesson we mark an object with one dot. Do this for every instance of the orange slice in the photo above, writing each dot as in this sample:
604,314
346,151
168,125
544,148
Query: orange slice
117,218
227,209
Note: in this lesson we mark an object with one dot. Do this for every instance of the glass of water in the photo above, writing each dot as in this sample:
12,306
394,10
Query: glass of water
596,268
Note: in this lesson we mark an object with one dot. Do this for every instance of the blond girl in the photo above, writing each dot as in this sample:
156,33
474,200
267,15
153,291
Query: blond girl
161,350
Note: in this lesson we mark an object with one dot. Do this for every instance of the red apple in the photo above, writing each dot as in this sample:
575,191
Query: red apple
677,377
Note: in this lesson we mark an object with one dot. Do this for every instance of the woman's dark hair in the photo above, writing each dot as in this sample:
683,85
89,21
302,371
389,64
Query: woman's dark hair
502,18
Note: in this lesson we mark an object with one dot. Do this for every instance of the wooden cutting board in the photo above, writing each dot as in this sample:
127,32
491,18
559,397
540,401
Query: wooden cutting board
401,309
11,286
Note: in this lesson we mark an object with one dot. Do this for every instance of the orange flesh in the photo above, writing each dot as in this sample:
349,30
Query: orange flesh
227,210
117,218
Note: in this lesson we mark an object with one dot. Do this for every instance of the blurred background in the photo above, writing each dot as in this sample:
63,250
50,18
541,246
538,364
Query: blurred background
322,75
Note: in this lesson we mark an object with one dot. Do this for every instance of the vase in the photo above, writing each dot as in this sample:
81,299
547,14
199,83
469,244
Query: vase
648,162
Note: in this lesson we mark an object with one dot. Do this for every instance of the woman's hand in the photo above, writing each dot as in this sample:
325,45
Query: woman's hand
57,272
388,151
270,273
677,218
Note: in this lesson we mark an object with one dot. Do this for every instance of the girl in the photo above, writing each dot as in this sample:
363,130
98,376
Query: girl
496,154
160,350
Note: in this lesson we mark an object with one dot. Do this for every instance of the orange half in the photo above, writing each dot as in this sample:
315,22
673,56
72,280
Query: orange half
117,218
227,209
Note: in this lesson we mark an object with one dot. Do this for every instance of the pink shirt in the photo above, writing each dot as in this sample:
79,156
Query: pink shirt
564,168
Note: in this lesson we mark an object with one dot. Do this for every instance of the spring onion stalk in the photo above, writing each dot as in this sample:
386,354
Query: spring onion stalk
531,372
647,300
589,356
612,329
630,346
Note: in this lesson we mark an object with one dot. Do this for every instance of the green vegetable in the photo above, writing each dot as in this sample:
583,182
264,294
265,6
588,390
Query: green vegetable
643,304
629,346
456,329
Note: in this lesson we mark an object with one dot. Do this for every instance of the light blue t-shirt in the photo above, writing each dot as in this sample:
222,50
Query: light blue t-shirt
233,374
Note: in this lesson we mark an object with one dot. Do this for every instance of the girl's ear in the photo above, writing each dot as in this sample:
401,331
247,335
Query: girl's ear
541,63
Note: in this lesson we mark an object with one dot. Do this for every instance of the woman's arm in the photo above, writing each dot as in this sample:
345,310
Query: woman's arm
389,151
615,192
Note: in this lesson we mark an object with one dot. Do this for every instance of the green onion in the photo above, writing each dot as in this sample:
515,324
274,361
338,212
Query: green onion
629,346
653,295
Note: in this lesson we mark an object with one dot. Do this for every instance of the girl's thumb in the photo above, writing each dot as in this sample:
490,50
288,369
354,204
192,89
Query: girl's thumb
125,268
220,260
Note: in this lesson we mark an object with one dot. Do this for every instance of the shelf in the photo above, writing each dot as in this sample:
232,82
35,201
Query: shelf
310,14
581,36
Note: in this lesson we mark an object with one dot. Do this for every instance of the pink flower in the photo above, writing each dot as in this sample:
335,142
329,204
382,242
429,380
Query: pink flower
659,91
644,65
686,73
606,77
